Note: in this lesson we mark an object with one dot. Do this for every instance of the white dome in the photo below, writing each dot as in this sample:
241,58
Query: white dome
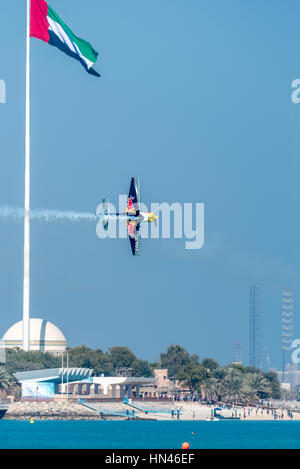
44,336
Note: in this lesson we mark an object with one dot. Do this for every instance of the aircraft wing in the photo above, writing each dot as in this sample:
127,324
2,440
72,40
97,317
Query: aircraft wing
134,236
133,204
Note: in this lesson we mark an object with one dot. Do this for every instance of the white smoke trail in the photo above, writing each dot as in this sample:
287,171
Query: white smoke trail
11,212
17,213
69,215
46,215
59,215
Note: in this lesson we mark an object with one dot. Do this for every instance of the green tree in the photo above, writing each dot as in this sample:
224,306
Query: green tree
241,368
18,360
141,368
193,376
210,364
175,358
122,357
5,380
210,389
233,385
85,357
256,386
250,369
155,365
272,377
213,387
8,382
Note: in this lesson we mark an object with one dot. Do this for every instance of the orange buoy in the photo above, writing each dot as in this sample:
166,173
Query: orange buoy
185,445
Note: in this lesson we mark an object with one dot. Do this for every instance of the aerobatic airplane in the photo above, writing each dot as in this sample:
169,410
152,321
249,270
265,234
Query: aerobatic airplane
133,215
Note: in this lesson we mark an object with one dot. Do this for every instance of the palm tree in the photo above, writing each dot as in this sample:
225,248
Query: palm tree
213,387
233,385
210,389
256,386
7,382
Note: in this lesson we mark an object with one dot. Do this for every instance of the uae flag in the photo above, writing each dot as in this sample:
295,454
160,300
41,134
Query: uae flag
46,25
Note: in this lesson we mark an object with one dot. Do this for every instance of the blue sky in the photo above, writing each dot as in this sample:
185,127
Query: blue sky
195,99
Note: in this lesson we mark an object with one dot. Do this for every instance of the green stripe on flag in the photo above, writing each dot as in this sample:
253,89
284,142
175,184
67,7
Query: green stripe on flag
85,47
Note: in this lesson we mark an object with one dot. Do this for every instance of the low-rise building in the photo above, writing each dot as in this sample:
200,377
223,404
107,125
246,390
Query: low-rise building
56,383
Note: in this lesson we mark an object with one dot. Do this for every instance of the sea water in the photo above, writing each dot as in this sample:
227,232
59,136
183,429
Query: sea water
148,434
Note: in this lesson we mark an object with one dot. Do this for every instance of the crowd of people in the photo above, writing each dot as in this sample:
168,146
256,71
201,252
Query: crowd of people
262,409
277,414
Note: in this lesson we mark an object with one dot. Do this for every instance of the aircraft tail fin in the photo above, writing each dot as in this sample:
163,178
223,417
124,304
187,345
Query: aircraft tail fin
105,214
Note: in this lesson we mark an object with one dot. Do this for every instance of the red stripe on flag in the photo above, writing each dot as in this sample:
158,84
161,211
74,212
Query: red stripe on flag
38,20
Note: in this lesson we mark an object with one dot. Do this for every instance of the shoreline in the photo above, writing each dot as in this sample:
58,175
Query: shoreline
189,411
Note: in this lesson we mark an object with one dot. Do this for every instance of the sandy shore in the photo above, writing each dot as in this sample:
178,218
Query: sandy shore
75,411
196,411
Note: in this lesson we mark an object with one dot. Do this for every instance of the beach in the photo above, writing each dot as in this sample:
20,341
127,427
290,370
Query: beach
64,410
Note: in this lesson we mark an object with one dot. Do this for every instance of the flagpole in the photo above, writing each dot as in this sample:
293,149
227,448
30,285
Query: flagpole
26,280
